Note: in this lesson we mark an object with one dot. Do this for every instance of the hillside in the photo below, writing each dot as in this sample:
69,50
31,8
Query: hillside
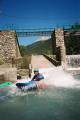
38,47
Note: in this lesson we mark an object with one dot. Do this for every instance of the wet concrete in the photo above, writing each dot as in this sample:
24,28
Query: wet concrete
39,61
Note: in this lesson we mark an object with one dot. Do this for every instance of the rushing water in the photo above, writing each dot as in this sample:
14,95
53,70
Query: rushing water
73,61
60,101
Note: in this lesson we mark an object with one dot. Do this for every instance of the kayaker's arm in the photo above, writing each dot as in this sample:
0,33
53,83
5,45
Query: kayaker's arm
33,79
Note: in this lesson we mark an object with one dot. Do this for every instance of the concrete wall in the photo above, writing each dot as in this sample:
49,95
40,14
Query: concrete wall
8,45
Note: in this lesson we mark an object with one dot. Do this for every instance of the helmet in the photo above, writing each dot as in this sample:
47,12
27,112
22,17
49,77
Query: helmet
36,70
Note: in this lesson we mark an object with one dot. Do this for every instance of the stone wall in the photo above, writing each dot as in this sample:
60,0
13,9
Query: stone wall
59,46
8,45
59,34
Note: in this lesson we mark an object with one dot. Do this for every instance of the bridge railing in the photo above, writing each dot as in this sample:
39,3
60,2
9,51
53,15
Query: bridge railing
71,29
52,60
34,33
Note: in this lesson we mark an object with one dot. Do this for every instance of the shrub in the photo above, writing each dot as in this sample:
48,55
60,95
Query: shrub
23,63
1,61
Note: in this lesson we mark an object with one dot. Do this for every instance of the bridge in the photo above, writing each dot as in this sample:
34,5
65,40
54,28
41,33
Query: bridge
41,31
11,47
36,33
32,32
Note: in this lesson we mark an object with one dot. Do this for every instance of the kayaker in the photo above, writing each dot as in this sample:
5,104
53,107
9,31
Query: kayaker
37,76
34,83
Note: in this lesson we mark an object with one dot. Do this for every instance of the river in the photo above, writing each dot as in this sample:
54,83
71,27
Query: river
60,101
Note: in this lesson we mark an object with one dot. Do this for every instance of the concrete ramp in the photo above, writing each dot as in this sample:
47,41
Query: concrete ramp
39,61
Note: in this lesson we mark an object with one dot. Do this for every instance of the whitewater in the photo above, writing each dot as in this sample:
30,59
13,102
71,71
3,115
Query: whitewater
59,78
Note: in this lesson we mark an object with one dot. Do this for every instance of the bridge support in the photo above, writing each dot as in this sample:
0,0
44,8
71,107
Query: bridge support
9,47
59,46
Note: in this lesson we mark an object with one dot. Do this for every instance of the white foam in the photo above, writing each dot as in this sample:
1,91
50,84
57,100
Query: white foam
23,80
57,77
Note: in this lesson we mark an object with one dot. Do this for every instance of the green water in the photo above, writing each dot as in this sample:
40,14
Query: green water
50,104
77,77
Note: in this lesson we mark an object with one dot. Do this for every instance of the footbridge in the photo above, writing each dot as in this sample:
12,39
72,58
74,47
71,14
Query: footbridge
34,32
9,45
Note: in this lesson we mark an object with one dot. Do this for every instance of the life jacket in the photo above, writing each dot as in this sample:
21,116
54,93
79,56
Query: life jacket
38,77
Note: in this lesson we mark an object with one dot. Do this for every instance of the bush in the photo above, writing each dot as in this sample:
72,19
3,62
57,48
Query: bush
23,63
1,61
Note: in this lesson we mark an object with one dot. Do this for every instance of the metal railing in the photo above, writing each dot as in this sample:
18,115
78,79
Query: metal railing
52,60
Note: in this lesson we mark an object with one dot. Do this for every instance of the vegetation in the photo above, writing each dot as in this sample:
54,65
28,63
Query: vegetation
72,42
23,50
72,45
23,63
22,72
1,60
39,47
76,26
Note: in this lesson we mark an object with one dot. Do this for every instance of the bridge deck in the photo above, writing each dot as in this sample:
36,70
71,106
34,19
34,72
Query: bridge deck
39,61
34,33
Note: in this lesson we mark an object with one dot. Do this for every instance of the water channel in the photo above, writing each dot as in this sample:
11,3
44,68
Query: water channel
60,101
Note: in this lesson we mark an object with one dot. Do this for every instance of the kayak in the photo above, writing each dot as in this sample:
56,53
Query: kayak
5,84
31,85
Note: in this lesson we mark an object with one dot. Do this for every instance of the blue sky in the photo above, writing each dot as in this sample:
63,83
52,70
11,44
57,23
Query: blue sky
38,14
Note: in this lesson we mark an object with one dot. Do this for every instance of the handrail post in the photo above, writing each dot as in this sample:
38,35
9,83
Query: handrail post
30,70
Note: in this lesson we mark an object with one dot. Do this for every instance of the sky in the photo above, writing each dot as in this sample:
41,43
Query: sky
33,14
